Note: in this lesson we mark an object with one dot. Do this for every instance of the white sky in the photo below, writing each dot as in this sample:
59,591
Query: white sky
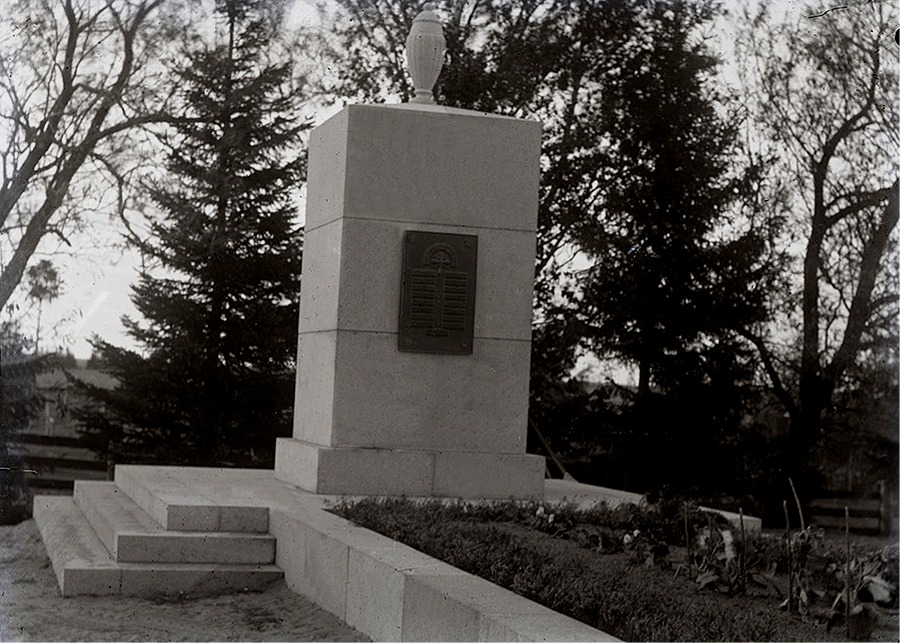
96,285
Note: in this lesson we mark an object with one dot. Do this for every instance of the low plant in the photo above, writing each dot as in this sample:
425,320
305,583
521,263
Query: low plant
616,569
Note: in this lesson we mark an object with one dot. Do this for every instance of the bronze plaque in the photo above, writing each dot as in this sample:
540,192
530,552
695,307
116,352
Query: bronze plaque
437,294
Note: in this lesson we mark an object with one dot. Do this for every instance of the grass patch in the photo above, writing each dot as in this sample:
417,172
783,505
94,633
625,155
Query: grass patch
620,570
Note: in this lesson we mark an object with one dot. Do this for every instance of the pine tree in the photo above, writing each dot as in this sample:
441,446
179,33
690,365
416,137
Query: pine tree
215,383
675,274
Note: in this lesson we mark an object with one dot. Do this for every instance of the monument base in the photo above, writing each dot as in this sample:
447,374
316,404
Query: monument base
396,472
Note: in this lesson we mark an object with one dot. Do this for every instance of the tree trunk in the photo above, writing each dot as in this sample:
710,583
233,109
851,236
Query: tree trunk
643,379
818,381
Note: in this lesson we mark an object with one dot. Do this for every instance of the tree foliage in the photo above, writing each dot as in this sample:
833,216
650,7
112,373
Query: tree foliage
44,284
677,264
827,98
220,308
672,267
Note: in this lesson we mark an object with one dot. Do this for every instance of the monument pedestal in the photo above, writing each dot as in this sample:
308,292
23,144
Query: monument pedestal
415,315
395,472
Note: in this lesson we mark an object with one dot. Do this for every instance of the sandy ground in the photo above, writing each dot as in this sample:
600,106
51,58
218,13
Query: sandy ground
32,609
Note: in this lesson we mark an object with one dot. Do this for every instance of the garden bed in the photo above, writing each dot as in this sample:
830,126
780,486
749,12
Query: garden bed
627,571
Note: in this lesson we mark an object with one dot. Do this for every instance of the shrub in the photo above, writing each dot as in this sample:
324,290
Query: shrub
507,543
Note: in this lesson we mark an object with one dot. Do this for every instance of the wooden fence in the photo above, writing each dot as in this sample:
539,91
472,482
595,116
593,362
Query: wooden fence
53,463
870,514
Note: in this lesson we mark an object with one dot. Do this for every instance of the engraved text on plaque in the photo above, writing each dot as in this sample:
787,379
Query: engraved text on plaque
437,301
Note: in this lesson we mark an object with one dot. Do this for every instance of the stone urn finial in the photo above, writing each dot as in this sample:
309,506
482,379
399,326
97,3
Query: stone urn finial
425,52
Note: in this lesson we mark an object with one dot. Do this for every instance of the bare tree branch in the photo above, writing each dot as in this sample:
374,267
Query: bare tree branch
861,307
768,362
858,203
72,116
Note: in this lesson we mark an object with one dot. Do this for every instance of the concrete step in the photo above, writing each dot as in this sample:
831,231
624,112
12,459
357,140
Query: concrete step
194,498
83,566
131,535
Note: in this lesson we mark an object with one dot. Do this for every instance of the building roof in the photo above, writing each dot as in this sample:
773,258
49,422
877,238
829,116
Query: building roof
55,378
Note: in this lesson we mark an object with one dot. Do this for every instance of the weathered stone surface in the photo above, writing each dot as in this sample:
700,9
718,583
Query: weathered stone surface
376,174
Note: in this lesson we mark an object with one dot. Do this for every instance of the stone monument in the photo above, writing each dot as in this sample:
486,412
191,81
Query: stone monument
415,314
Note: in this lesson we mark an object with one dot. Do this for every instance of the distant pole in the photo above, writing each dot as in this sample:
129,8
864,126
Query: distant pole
37,330
847,573
787,542
687,538
743,561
